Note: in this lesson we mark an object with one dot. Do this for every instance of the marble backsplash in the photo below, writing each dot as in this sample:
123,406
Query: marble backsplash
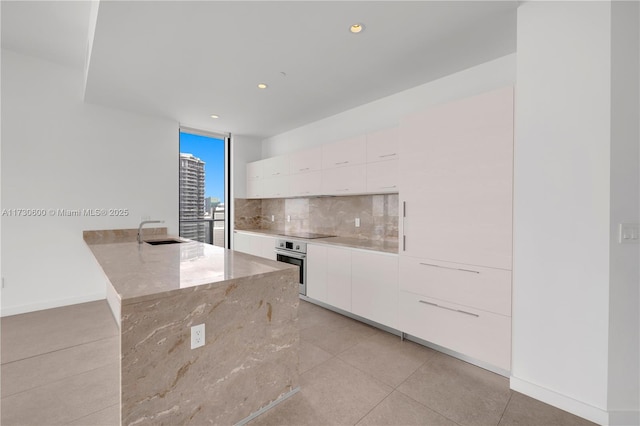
378,215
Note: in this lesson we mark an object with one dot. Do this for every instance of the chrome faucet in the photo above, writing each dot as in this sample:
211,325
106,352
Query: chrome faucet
142,223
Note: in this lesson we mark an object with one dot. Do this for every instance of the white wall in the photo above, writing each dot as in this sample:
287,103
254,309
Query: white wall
387,111
60,153
567,151
244,149
624,271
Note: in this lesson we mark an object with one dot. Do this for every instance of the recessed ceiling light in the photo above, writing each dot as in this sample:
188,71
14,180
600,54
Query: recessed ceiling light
262,86
215,116
356,28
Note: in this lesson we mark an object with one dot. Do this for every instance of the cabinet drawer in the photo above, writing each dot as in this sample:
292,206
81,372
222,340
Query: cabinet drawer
482,288
481,335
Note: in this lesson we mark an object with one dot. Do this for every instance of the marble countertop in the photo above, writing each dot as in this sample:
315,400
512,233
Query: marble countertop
385,246
140,272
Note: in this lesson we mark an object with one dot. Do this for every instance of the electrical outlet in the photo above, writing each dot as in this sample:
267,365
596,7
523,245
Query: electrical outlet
288,218
273,218
197,336
629,233
357,222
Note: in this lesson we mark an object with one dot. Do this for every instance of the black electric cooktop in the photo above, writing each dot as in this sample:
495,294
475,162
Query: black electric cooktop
306,235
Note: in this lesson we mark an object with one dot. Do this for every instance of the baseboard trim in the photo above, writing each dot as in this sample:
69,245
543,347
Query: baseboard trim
49,304
624,417
268,407
558,400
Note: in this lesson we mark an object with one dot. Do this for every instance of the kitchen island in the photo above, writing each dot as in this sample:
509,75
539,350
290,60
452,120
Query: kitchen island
249,308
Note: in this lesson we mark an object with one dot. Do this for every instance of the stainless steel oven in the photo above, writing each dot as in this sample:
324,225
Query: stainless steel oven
294,253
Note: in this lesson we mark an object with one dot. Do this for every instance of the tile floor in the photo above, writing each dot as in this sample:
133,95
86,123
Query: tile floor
60,367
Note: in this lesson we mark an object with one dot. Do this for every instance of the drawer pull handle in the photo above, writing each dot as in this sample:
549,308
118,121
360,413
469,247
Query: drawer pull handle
449,309
387,187
342,162
302,170
387,155
447,267
275,174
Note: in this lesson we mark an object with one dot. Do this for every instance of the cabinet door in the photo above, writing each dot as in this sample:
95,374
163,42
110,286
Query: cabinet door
305,184
275,187
456,166
382,177
276,166
382,145
255,188
241,242
344,180
268,247
344,153
255,170
374,287
339,278
306,161
317,272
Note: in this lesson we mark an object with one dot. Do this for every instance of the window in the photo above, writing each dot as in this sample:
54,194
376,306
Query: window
204,185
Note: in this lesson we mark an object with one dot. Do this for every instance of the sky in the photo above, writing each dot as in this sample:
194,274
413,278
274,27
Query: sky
211,151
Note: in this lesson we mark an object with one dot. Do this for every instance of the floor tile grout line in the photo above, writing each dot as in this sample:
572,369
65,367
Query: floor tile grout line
58,350
427,407
505,407
374,407
91,414
60,379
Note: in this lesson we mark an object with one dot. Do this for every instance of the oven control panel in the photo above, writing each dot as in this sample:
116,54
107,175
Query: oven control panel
295,246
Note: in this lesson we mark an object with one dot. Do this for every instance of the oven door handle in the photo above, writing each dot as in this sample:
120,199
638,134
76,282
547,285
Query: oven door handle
291,254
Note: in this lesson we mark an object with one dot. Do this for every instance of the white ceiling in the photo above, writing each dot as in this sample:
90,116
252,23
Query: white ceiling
186,60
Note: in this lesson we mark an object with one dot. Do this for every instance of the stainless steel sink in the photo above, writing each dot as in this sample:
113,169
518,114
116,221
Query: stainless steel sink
162,242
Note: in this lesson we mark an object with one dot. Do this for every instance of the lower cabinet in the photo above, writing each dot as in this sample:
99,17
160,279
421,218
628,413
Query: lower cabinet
257,245
374,287
482,335
361,282
329,275
465,308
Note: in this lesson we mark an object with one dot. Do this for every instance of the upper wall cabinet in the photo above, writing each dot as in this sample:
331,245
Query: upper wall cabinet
276,166
309,160
382,145
348,152
255,170
365,164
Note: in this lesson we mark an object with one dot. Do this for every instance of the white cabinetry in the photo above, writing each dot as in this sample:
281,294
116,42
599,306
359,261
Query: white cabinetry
383,145
344,180
317,272
257,245
339,278
306,184
374,287
306,161
455,171
456,167
382,177
362,282
329,275
344,153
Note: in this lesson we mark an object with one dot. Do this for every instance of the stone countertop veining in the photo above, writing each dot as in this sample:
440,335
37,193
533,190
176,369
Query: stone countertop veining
385,246
140,272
